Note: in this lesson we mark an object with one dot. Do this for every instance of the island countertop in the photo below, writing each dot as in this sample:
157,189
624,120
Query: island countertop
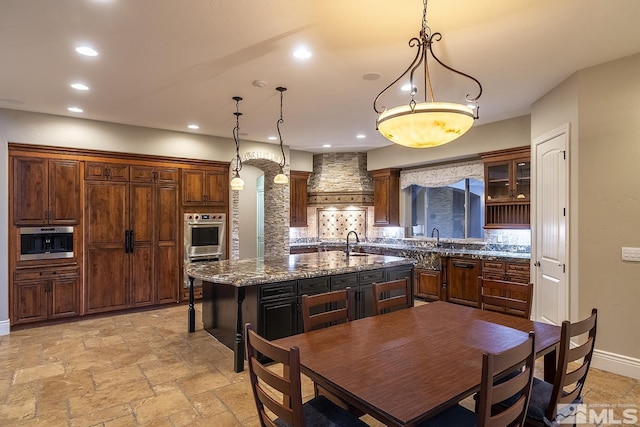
256,271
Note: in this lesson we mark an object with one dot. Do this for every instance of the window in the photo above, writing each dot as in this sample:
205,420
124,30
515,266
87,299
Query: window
456,210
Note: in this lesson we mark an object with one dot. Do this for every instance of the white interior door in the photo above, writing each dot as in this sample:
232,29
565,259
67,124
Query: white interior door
551,199
260,216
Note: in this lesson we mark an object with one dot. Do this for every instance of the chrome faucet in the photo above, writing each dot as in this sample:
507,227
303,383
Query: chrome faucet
437,233
357,240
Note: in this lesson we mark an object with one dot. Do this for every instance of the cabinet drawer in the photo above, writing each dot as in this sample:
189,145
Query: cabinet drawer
316,285
518,268
374,276
344,281
493,265
278,290
46,273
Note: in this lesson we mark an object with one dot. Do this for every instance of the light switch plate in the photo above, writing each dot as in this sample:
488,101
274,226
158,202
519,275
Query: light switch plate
631,254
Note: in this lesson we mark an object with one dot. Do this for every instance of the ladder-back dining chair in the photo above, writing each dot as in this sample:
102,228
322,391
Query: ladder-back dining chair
389,296
278,392
515,389
506,297
552,404
326,309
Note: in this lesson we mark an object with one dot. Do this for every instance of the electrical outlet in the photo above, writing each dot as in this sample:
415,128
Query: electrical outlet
631,254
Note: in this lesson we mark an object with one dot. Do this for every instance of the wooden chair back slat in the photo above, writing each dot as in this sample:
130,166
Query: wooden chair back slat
492,391
284,399
384,301
327,308
573,364
507,297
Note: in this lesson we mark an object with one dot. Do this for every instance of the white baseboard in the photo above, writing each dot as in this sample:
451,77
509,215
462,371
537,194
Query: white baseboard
4,327
616,363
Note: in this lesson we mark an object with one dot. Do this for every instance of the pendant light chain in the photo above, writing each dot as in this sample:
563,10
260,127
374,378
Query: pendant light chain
280,121
236,132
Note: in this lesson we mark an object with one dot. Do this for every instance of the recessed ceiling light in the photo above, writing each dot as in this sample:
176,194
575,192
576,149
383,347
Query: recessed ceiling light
302,53
86,51
79,86
75,109
326,145
193,126
371,76
361,136
272,138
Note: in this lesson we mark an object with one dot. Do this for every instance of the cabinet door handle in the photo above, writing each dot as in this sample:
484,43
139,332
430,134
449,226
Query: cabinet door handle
131,234
462,265
126,241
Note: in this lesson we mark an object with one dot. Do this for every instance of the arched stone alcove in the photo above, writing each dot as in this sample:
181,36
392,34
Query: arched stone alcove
276,206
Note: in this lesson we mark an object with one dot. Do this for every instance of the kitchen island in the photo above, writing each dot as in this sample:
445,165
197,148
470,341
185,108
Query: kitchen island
267,291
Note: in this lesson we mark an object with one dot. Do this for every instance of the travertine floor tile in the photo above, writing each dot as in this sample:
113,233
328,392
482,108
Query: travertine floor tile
144,369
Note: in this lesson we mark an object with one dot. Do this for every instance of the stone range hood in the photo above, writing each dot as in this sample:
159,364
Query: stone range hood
340,179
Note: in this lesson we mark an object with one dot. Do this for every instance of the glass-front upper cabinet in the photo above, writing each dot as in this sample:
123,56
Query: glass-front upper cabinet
508,181
507,175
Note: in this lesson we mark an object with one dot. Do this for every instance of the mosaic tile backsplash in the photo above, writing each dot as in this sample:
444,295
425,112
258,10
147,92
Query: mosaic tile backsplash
335,223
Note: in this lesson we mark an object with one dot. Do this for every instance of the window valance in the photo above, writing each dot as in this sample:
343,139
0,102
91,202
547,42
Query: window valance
440,176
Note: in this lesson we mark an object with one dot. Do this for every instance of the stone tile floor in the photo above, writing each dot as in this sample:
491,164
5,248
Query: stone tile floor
143,369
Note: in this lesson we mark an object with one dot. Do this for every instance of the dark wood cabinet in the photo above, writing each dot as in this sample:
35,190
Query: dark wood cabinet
507,188
298,198
428,284
512,271
46,191
205,187
133,226
105,171
462,281
46,293
107,266
386,197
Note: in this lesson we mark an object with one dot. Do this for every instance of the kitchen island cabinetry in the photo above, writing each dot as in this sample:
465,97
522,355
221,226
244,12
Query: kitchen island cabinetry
46,191
46,293
462,281
298,198
386,197
206,187
266,292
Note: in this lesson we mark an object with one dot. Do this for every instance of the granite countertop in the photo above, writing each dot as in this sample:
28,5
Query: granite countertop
428,256
255,271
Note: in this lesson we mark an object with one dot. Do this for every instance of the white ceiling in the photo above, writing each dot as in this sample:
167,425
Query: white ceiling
167,63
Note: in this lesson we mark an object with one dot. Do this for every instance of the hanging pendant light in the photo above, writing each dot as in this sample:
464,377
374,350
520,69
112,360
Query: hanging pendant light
237,183
429,123
281,178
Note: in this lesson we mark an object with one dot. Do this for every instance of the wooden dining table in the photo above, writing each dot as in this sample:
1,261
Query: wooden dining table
406,366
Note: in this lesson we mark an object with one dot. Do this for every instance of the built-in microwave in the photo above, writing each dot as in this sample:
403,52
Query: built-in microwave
204,234
46,243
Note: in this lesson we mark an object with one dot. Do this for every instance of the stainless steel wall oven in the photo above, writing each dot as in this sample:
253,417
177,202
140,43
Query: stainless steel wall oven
46,243
204,239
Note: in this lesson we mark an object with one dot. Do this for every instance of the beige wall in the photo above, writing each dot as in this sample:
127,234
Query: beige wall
609,201
602,106
493,136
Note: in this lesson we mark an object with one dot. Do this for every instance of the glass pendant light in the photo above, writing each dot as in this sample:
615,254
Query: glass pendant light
281,178
237,183
429,123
